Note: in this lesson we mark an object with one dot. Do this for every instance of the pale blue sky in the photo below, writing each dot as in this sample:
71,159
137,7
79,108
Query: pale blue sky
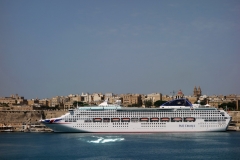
50,48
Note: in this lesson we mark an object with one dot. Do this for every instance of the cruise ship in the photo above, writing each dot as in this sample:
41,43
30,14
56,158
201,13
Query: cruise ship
178,115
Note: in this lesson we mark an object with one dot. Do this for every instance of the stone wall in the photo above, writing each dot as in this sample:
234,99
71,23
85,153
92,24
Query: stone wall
235,123
17,119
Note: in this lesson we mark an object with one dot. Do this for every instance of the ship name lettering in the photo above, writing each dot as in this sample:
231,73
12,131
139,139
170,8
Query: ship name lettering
189,125
186,125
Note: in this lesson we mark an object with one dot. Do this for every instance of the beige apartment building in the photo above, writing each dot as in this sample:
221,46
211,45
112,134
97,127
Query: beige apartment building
32,102
54,101
13,99
216,100
44,102
112,98
153,97
76,98
58,100
68,105
97,98
130,99
86,97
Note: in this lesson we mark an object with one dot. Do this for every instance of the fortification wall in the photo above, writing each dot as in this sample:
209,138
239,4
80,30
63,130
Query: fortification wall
235,123
19,119
235,116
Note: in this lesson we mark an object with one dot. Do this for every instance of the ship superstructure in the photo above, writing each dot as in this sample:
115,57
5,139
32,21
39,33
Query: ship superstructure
178,115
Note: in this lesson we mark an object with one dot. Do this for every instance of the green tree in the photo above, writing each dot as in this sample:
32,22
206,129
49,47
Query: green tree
75,103
230,106
135,105
148,103
159,103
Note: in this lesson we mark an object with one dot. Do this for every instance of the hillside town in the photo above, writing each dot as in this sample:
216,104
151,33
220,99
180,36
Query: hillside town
22,115
16,102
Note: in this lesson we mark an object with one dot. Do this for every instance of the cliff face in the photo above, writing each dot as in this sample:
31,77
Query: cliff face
17,119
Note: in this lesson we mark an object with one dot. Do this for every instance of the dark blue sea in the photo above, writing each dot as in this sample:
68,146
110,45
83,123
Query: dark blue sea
208,145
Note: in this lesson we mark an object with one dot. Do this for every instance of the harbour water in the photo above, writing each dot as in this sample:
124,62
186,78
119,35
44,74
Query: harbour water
205,145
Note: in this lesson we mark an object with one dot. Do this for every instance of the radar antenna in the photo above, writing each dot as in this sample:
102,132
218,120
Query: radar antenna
173,93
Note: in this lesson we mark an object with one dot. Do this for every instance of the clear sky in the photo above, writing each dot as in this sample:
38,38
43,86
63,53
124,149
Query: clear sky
62,47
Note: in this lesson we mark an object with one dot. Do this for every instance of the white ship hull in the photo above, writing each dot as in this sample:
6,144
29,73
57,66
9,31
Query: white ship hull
131,127
115,119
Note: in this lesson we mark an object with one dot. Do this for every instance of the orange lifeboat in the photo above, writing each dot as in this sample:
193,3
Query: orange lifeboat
97,119
154,119
115,119
165,119
177,119
189,119
125,119
144,119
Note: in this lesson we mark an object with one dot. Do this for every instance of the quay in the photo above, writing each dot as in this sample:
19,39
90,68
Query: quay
28,121
235,123
25,120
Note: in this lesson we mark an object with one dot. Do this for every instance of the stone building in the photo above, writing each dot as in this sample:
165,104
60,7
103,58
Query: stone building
86,97
68,105
75,98
58,100
216,100
131,99
13,99
167,98
153,97
32,102
197,92
112,98
44,102
97,98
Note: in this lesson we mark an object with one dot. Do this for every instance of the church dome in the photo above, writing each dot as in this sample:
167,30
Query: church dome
180,92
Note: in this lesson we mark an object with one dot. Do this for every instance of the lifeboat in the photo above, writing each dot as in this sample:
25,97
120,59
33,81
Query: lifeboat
115,119
125,119
144,119
189,119
154,119
177,119
164,119
97,119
